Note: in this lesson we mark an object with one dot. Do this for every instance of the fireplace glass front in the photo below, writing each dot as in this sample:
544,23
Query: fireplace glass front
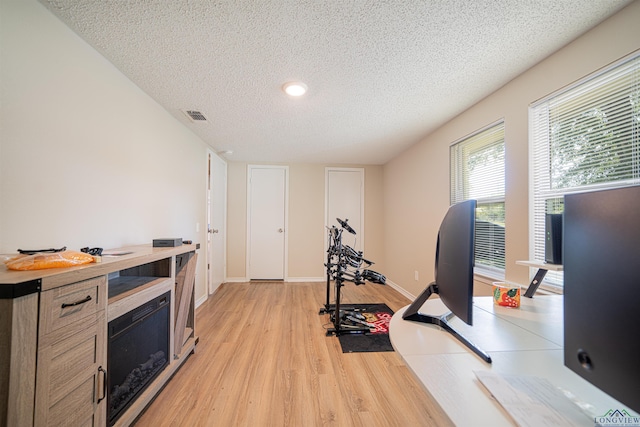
138,350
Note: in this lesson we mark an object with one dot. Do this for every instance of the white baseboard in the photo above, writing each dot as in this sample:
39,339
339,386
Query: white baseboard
288,279
305,279
201,300
401,290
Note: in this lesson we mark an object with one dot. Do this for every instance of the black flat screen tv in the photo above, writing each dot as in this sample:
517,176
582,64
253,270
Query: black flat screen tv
453,273
601,257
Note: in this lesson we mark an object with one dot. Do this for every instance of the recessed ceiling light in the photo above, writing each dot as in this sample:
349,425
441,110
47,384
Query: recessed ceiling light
294,88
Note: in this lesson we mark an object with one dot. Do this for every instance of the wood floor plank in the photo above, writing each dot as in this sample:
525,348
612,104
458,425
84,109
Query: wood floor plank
264,360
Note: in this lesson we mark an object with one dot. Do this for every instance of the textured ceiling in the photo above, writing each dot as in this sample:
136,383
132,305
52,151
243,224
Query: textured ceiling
381,74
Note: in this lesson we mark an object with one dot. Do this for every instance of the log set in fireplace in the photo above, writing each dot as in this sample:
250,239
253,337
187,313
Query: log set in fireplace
138,350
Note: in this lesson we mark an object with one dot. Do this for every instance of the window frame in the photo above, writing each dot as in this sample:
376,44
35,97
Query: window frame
541,190
458,192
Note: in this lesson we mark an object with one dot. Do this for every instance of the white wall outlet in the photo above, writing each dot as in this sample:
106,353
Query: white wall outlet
197,227
415,274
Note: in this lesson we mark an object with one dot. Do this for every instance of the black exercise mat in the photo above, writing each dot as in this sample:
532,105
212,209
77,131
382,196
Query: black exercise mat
369,342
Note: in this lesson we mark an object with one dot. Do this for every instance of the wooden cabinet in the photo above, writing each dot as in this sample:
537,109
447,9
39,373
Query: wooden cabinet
70,385
53,333
18,341
184,312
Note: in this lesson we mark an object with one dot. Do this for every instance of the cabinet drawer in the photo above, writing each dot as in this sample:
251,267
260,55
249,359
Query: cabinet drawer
64,305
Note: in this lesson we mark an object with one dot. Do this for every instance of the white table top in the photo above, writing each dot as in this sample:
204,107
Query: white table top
524,341
541,264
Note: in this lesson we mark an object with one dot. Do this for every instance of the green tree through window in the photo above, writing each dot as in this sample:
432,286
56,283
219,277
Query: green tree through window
585,137
477,172
596,144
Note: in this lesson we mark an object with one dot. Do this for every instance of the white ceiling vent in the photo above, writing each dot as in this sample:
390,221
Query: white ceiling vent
195,116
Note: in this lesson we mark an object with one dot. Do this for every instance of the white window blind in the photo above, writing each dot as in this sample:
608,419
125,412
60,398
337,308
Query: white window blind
477,172
584,137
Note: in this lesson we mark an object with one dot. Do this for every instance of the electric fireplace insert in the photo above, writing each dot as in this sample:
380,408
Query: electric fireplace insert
138,350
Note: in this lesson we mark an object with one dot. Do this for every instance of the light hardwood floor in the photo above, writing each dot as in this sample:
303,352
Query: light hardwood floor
264,360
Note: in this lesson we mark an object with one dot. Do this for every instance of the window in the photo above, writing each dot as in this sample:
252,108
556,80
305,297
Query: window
585,137
477,172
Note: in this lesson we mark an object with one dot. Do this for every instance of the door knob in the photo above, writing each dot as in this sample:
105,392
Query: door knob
280,230
213,231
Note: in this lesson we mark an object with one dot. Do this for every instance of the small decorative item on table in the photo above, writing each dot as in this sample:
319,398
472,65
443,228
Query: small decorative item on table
506,295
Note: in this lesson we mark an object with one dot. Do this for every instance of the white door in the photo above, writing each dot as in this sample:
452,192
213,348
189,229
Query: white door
344,189
266,222
217,221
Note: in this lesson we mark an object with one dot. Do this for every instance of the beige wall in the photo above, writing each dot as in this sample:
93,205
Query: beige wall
86,157
416,192
236,219
306,236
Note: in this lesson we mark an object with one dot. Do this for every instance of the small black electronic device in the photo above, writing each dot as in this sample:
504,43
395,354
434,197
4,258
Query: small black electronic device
553,239
167,243
602,289
455,259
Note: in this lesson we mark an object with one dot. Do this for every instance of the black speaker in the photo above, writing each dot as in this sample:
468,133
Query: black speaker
553,239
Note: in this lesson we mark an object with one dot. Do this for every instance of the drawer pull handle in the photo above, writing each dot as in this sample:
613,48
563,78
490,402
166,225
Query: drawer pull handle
104,383
82,301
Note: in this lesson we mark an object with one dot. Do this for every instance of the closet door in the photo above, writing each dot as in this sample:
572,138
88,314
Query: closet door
266,222
344,199
217,221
